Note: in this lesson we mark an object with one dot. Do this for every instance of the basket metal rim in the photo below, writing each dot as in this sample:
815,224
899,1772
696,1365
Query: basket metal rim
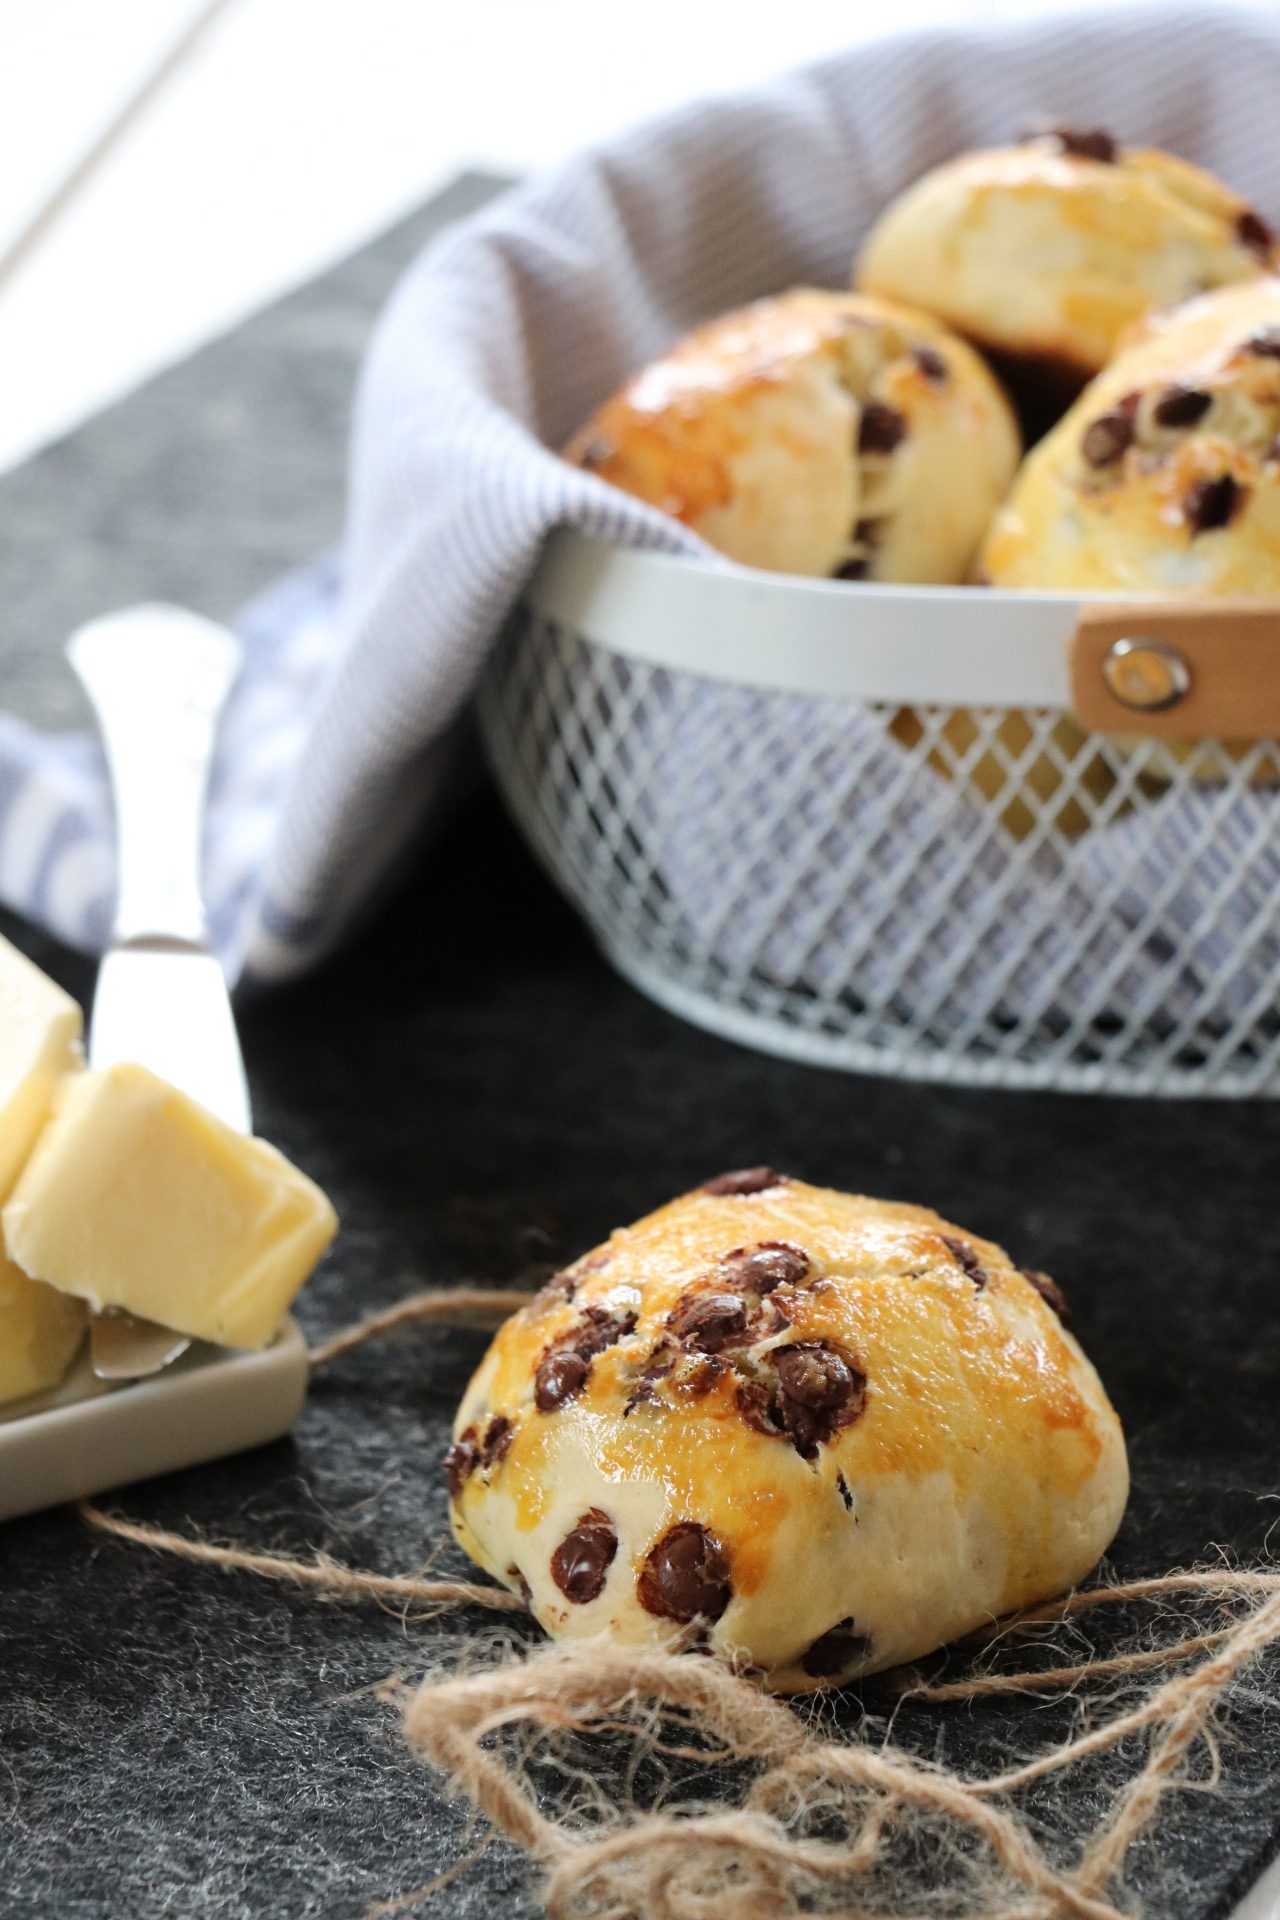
662,975
919,645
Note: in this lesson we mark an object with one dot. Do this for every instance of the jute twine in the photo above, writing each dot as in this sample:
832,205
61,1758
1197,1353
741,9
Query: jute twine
794,1820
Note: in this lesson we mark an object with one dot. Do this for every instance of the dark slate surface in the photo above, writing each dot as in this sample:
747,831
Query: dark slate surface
483,1098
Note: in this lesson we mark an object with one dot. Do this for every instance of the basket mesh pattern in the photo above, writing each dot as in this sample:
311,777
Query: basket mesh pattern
982,895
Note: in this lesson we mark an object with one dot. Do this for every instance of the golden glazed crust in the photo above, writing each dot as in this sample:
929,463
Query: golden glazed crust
819,1433
1048,254
816,433
1165,475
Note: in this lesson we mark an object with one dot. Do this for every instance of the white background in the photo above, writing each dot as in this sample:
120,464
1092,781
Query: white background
298,128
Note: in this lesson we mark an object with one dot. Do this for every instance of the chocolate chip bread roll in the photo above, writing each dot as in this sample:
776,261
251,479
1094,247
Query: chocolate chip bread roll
816,433
816,1433
1044,253
1165,475
1164,478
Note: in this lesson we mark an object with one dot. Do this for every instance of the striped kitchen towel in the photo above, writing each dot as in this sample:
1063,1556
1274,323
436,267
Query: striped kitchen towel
500,340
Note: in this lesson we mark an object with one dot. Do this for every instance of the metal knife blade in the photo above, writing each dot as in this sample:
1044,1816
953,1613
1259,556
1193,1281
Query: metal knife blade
167,1007
124,1347
158,678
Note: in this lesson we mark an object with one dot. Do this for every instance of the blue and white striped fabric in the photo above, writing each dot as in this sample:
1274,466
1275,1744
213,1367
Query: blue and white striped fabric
501,339
57,861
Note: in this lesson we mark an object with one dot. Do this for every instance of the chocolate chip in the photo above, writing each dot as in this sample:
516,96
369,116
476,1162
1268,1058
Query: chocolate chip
1254,233
727,1311
559,1288
963,1253
561,1376
461,1462
580,1564
817,1376
601,1327
1265,343
836,1651
744,1180
1212,503
1106,438
805,1427
701,1371
760,1407
1082,143
525,1590
931,364
1181,406
709,1320
1049,1290
496,1444
563,1369
759,1269
881,428
817,1391
597,453
691,1373
686,1575
866,534
659,1364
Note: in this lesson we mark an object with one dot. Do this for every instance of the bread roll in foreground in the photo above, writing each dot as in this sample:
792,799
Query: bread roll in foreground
1044,253
817,433
816,1433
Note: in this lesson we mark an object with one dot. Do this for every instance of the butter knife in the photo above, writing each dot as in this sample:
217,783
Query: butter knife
158,678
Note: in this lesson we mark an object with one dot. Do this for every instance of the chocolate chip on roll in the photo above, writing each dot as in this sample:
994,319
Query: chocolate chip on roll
745,1180
685,1575
580,1564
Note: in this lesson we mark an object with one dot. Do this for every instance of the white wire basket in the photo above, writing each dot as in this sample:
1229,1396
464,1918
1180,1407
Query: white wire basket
954,834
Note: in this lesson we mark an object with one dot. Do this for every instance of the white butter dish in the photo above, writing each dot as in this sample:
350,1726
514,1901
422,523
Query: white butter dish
86,1437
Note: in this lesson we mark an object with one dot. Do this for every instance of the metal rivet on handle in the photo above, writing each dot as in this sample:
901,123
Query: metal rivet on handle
1144,673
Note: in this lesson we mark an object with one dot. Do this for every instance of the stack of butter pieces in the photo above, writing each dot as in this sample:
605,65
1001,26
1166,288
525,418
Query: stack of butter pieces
117,1190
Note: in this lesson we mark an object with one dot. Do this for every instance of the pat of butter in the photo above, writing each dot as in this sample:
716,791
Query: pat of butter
40,1330
40,1029
136,1197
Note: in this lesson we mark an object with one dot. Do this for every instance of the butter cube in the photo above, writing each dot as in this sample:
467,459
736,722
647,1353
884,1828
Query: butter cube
40,1330
136,1197
40,1029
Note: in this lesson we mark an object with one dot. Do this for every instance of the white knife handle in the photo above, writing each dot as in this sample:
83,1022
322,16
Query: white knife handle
158,678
